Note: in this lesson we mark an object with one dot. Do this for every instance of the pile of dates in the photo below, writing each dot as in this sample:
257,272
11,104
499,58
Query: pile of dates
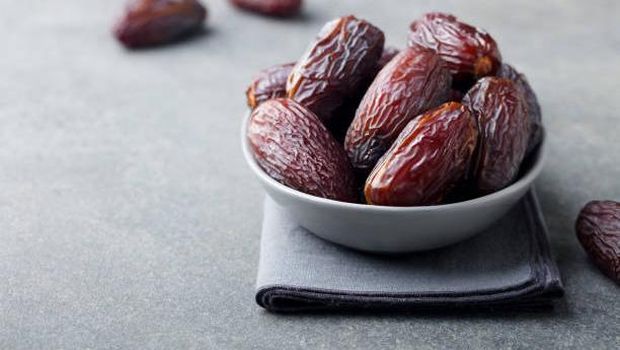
441,120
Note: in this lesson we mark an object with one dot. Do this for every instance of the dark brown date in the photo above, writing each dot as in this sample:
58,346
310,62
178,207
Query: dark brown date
277,8
336,65
269,83
501,111
470,52
156,22
413,82
598,231
338,126
429,157
293,146
533,107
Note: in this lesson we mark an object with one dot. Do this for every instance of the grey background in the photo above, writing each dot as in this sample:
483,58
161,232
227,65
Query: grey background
129,220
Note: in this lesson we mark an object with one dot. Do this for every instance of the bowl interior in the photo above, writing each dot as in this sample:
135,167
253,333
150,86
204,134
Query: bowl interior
530,169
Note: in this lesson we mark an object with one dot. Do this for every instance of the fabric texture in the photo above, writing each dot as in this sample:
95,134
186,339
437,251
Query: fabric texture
508,265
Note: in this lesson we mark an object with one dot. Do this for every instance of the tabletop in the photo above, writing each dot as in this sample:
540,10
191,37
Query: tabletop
128,218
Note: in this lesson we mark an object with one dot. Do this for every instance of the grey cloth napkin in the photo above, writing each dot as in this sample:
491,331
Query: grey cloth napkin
507,265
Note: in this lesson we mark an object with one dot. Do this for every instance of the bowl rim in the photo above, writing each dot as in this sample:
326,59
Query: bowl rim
525,180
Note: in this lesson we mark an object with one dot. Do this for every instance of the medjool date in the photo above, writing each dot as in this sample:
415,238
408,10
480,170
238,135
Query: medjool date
470,52
501,112
598,231
156,22
279,8
293,146
345,114
269,83
533,107
429,157
412,82
336,65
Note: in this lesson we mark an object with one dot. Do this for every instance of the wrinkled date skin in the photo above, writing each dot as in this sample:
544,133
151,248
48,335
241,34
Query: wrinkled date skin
429,157
276,8
338,126
293,146
336,65
413,82
157,22
470,52
533,107
598,231
501,112
269,83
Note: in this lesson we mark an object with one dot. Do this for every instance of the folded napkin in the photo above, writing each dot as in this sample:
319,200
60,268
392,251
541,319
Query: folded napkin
507,265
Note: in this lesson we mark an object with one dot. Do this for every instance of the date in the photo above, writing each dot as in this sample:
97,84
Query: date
413,82
157,22
470,52
598,231
276,8
501,111
339,126
269,83
533,107
336,65
430,156
292,145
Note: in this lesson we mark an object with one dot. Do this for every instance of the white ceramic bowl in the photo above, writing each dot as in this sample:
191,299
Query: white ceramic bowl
384,229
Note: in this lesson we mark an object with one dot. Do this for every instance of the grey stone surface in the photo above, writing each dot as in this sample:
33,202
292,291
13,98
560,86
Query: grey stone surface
129,220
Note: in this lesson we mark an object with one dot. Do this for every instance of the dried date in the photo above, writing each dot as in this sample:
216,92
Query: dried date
470,52
338,126
598,231
413,82
293,146
429,157
533,107
269,83
156,22
336,65
277,8
501,111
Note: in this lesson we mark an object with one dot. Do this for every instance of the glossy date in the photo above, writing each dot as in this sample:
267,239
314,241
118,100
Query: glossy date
470,52
293,146
598,231
411,83
501,111
427,160
336,65
268,83
533,107
156,22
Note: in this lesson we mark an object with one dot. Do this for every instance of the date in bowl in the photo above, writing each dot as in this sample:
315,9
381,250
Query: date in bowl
383,229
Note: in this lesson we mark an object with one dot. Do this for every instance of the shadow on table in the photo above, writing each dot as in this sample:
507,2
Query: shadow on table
191,37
